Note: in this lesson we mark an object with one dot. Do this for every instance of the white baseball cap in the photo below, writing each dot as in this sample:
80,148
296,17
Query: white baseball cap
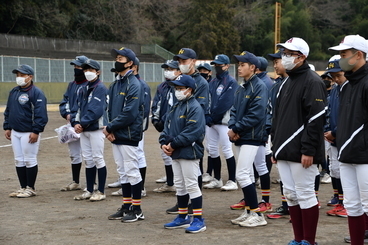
352,41
335,57
296,44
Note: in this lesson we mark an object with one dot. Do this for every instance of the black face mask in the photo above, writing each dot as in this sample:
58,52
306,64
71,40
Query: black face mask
327,83
79,75
119,67
219,70
205,75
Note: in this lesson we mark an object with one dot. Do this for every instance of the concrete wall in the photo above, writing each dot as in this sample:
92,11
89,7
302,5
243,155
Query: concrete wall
53,91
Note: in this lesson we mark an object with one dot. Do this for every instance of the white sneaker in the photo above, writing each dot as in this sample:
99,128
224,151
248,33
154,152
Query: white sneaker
117,193
15,193
241,218
114,185
144,193
97,196
229,186
164,188
95,188
71,187
326,179
254,220
206,178
214,184
161,180
86,195
28,192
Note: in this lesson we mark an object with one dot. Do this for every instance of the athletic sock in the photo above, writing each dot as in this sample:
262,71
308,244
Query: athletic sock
250,197
265,187
102,173
127,195
231,168
137,190
269,162
32,176
200,182
217,167
91,178
197,207
143,175
22,176
169,175
310,221
76,168
209,165
183,205
334,187
356,229
297,222
340,191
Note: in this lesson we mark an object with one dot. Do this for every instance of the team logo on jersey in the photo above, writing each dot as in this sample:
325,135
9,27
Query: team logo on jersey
23,98
219,89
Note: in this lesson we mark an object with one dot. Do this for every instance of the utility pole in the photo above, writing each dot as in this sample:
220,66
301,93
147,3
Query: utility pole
277,23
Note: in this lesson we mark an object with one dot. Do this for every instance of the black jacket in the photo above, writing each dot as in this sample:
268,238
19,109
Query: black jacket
352,128
297,126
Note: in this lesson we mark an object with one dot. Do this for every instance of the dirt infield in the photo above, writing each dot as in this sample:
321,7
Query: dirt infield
53,217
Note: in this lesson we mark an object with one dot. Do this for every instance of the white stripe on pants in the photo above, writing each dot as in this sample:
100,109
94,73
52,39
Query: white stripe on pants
126,159
25,154
75,151
354,183
216,136
92,144
186,177
244,169
298,183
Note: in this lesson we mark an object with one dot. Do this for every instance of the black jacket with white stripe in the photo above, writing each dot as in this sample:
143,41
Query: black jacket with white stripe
297,126
352,125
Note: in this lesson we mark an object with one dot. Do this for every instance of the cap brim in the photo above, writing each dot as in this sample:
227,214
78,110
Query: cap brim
217,62
340,47
287,46
21,71
76,63
334,70
181,56
114,53
275,56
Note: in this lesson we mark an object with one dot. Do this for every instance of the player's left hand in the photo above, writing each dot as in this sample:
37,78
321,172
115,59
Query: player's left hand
33,138
110,137
307,161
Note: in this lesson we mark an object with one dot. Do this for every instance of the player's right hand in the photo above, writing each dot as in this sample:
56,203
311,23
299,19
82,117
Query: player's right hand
7,134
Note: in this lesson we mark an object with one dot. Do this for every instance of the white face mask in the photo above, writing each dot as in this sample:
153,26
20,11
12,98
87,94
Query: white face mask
185,69
288,62
169,75
21,81
179,94
90,76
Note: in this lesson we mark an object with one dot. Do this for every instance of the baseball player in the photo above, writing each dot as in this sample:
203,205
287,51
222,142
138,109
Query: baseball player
160,106
222,93
246,130
124,131
25,117
297,137
88,118
337,74
182,140
205,71
68,102
352,132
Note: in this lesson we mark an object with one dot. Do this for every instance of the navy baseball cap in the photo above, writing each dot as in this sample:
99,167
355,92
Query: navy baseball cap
91,63
333,65
171,63
204,66
185,53
263,63
276,55
25,69
136,61
247,57
185,81
221,59
79,60
326,74
124,52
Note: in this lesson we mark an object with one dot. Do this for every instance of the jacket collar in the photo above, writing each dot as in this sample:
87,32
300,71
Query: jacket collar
355,77
300,70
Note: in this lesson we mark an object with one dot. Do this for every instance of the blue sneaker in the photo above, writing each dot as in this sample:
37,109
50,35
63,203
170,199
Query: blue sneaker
196,226
293,242
333,202
178,223
304,242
